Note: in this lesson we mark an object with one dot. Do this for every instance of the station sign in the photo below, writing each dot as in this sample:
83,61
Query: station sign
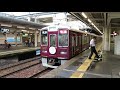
10,39
44,32
38,52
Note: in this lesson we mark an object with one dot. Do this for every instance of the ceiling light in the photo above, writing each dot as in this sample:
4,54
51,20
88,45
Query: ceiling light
24,30
32,28
92,24
89,20
97,28
6,25
20,27
84,15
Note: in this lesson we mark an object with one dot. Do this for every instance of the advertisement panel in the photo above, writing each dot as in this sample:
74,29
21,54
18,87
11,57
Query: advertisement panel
38,52
18,39
10,39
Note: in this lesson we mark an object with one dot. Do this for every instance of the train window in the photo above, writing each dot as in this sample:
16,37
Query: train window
44,38
72,40
63,38
80,40
52,40
84,39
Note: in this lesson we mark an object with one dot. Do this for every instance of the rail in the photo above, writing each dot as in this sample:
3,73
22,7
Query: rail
19,66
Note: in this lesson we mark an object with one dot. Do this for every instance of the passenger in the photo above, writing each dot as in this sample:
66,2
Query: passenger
9,45
26,42
93,50
33,42
6,44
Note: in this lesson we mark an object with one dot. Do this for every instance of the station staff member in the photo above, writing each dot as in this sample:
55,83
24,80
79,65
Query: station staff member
93,50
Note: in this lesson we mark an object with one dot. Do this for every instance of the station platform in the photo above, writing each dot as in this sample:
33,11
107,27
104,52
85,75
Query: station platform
82,67
16,50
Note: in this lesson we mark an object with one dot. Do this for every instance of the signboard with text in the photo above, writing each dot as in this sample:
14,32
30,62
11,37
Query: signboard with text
10,39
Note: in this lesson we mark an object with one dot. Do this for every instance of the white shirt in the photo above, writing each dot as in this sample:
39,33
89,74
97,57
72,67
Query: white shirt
92,42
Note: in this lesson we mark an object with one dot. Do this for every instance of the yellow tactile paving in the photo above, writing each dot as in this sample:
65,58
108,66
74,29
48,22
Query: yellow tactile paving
84,66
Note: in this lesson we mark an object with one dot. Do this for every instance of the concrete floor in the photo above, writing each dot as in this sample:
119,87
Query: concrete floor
109,67
68,71
5,54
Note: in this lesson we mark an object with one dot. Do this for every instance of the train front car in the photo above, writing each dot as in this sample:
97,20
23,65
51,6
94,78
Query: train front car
54,46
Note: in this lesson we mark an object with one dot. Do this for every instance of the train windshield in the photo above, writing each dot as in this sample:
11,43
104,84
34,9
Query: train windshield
63,38
44,38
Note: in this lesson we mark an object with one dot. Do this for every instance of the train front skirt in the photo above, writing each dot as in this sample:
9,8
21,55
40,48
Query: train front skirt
51,64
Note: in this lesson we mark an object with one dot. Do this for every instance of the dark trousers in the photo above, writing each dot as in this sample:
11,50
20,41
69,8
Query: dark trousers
93,50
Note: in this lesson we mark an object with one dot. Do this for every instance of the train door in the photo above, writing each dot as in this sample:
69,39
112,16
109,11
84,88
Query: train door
80,42
73,44
52,43
76,44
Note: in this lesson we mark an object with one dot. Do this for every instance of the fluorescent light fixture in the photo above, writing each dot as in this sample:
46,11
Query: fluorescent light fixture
89,20
24,30
20,27
84,15
92,24
32,28
85,31
98,30
6,25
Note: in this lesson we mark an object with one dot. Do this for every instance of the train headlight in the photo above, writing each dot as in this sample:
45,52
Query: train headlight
52,50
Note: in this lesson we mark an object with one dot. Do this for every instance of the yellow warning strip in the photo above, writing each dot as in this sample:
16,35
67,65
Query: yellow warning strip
84,66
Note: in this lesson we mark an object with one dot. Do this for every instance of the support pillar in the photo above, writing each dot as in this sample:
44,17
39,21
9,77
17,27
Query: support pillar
106,38
35,19
107,32
16,39
35,38
21,38
38,38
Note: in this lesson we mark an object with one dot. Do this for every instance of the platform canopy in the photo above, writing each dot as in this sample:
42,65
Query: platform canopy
19,19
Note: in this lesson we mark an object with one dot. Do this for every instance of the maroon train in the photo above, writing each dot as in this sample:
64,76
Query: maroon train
61,43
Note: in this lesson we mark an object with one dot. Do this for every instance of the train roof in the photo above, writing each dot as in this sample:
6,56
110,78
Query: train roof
69,28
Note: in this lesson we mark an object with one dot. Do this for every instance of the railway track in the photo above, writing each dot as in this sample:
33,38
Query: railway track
31,68
43,72
18,63
11,69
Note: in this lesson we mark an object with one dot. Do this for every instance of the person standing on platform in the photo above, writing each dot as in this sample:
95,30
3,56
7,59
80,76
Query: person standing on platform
7,45
28,42
93,49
